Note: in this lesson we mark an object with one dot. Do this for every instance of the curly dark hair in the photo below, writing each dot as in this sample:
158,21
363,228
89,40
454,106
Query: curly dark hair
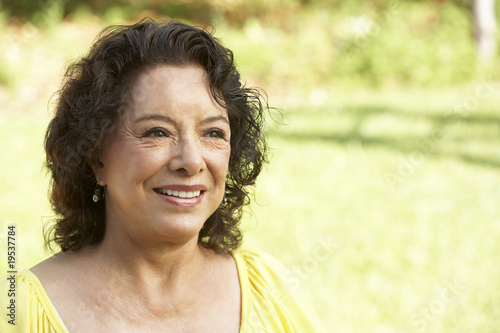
94,93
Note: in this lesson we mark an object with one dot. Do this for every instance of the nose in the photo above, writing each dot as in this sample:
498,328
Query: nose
187,157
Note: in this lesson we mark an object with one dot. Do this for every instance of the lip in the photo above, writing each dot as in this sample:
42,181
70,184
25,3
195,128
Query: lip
186,188
182,202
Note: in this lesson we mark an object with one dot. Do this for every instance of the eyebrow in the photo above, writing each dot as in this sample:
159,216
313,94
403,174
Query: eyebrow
215,119
154,117
167,119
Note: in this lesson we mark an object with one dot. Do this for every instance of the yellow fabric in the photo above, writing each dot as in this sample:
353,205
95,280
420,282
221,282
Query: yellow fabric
268,304
34,311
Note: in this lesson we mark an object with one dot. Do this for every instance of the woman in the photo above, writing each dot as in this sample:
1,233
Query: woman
152,149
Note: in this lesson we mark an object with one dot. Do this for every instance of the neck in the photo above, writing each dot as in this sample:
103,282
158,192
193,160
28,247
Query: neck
151,267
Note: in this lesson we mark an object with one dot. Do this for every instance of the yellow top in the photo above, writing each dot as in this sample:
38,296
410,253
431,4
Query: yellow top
268,304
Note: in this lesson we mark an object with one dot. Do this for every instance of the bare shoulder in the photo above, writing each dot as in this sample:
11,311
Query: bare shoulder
61,273
224,264
222,276
50,264
56,266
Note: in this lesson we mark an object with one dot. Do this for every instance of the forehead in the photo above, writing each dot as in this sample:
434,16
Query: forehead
169,76
168,88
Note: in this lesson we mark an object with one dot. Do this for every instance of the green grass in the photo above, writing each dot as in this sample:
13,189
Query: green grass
401,185
401,243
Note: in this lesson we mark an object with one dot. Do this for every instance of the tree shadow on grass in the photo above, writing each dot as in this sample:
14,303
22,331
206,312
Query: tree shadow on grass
431,142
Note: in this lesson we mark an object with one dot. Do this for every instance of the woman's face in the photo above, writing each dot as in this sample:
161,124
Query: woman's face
165,167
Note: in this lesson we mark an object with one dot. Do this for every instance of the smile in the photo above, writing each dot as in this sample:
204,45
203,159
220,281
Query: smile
178,194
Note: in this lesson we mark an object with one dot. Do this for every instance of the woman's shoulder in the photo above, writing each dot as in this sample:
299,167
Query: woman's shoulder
272,299
51,268
29,305
256,258
259,266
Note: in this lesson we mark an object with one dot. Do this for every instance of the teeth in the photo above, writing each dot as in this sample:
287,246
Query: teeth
180,194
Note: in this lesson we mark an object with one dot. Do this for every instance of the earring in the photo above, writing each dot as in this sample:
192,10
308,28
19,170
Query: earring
98,194
224,200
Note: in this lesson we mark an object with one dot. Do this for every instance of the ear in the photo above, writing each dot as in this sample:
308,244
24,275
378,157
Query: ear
102,180
99,172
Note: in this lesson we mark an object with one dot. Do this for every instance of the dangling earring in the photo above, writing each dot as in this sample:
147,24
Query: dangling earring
98,194
224,200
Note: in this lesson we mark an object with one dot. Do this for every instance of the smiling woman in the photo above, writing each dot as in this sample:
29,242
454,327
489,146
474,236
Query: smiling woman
152,150
170,152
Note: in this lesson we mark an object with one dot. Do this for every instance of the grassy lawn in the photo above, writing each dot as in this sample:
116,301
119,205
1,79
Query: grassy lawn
383,204
405,191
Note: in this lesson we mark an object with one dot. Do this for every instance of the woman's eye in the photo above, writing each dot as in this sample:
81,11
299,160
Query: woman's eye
215,133
156,133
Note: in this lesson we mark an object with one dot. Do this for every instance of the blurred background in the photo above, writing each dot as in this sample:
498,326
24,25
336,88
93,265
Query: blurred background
383,187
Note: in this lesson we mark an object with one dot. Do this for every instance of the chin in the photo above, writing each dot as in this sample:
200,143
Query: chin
179,230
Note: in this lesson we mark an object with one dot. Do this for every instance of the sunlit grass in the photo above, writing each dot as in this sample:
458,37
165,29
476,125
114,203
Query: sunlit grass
404,241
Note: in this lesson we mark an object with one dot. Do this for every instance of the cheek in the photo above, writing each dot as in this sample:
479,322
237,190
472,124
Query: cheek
217,155
131,164
220,166
145,162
